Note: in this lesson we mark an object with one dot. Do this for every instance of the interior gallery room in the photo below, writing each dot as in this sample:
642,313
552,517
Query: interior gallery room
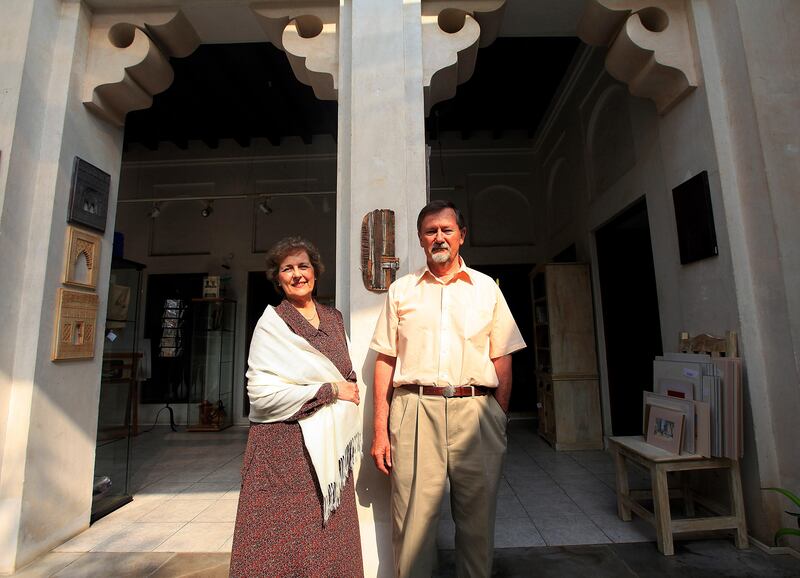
627,171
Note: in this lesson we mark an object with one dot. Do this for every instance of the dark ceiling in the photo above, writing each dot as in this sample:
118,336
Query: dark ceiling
246,91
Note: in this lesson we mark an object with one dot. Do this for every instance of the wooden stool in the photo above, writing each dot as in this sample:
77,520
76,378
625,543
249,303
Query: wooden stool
658,462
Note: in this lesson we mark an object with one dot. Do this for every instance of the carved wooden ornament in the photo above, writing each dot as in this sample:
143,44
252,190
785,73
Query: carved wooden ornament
76,324
81,259
378,263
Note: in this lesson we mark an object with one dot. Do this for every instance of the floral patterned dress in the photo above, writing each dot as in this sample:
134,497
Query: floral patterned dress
279,530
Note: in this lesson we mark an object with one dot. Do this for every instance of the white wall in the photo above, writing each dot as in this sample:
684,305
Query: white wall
492,181
601,150
236,231
50,418
750,69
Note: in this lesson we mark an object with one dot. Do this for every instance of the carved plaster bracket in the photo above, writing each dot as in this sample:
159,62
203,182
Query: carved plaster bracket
650,46
308,33
452,32
128,60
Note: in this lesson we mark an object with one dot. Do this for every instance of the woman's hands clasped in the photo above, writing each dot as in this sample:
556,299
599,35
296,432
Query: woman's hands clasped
348,391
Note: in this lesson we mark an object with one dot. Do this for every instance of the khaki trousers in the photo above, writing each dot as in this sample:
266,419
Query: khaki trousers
435,439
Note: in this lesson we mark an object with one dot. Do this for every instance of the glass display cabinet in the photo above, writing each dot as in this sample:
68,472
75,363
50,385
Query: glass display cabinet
117,418
211,378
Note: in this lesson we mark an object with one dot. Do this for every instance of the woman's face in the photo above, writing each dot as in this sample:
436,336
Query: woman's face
296,276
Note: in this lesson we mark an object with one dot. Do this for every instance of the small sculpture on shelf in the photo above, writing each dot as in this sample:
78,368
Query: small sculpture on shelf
205,410
211,415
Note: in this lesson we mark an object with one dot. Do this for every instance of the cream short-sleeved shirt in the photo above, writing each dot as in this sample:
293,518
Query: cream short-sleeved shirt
446,334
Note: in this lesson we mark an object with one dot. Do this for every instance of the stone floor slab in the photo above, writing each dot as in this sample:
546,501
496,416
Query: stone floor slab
139,537
177,511
94,535
198,537
219,511
118,565
195,565
48,565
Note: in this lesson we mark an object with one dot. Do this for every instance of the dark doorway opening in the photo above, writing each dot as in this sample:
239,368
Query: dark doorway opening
260,293
630,314
515,285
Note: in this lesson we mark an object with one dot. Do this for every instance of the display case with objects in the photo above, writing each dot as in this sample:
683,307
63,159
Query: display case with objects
210,405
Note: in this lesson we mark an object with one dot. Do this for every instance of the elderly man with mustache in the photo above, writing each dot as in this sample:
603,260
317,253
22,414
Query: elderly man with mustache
442,386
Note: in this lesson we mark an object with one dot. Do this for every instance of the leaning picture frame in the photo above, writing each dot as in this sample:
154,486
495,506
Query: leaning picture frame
665,429
88,197
685,406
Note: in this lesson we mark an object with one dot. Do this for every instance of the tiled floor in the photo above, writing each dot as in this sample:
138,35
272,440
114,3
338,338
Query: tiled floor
186,489
186,493
550,498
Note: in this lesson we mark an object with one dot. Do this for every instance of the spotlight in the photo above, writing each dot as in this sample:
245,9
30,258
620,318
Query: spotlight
154,212
264,207
207,210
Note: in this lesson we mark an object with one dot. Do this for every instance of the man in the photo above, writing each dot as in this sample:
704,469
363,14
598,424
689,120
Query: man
444,340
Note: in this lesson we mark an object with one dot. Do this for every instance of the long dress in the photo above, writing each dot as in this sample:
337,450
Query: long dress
279,530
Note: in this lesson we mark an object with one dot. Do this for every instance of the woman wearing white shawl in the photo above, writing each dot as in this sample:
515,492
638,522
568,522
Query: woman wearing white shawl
297,512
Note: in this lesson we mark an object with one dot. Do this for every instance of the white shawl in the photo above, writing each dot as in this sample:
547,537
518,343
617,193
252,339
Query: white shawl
285,372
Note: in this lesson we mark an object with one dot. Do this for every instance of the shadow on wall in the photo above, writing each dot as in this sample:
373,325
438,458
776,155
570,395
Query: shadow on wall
372,486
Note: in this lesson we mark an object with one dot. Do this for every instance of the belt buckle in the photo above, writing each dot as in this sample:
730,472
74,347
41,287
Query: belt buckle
449,391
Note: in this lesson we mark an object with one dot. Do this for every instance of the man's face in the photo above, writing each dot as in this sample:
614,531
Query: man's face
440,236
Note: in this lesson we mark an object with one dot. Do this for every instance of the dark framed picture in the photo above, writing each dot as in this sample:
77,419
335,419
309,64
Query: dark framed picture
88,198
694,216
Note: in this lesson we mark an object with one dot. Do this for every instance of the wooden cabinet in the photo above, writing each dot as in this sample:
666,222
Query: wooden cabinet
568,389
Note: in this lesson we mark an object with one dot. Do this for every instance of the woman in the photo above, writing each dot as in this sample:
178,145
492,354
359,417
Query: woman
297,510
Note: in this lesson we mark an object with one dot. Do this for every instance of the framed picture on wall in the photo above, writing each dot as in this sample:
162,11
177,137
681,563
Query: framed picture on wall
694,217
82,258
88,197
76,320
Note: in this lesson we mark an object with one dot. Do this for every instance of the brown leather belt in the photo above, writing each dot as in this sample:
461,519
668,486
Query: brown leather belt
449,390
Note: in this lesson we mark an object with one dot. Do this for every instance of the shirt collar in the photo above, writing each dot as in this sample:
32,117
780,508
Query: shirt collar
464,273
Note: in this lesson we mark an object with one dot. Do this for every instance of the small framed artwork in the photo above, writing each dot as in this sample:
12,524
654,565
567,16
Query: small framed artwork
211,287
88,198
82,258
76,324
665,429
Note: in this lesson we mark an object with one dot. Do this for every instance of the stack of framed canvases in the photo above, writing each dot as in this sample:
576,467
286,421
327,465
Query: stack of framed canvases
696,405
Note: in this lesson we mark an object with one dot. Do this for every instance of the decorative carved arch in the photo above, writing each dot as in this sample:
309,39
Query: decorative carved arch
452,32
128,53
555,205
128,60
619,157
501,216
308,33
650,46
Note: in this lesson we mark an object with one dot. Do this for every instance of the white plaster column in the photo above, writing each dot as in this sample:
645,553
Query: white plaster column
381,164
48,411
747,56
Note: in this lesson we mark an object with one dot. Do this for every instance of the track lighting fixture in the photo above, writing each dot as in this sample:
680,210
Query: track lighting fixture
208,209
264,207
